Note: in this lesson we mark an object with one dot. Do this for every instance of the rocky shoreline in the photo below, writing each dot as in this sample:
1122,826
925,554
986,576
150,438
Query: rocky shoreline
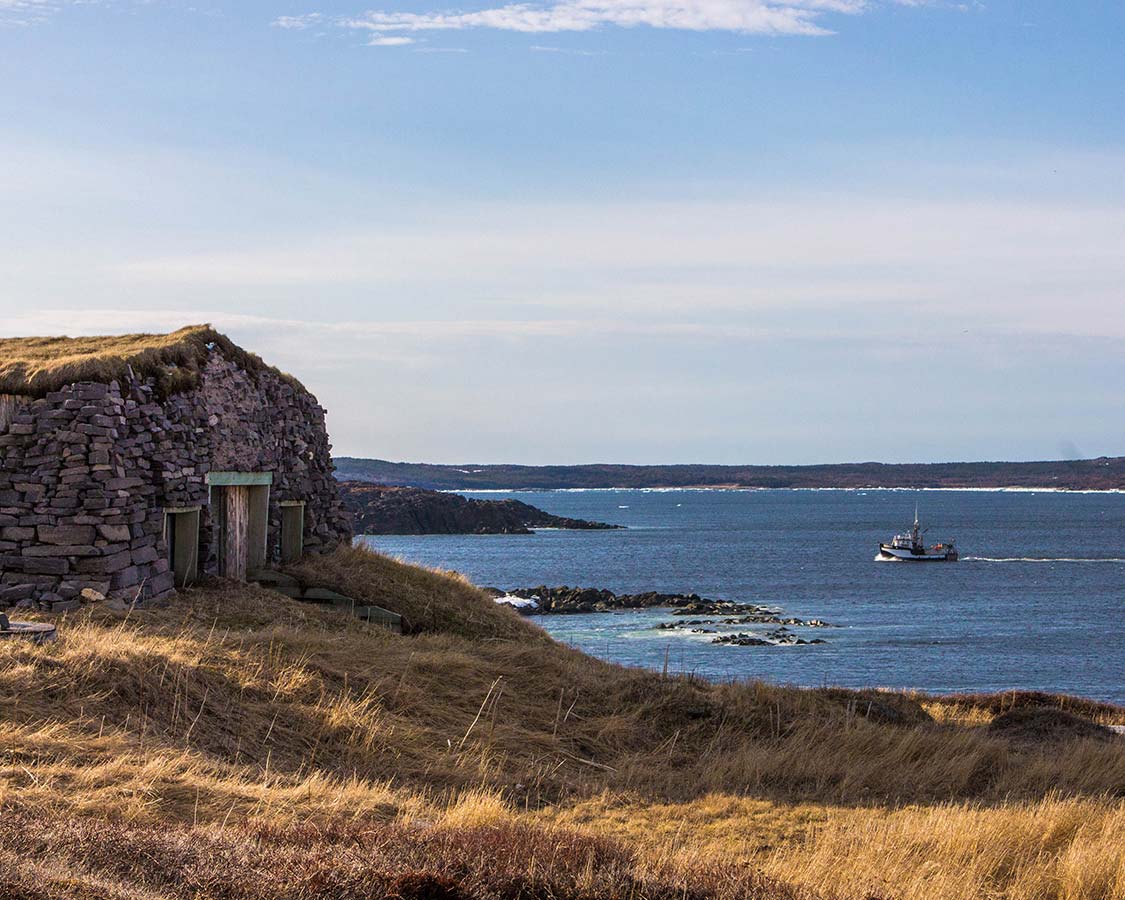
381,509
564,600
545,601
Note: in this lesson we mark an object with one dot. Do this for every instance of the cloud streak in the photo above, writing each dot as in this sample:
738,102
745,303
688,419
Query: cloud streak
539,48
26,12
298,23
771,17
741,16
21,13
383,40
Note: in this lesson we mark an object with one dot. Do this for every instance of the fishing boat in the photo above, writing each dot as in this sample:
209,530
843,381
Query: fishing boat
909,547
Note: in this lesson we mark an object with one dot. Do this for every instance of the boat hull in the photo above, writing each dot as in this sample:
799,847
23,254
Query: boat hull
888,552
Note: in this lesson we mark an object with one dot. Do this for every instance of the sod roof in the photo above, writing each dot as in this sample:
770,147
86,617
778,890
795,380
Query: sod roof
35,366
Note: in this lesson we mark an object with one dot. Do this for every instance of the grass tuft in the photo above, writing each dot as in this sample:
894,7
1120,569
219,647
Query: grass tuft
35,366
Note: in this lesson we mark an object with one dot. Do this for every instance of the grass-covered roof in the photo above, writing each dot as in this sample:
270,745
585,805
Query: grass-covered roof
34,366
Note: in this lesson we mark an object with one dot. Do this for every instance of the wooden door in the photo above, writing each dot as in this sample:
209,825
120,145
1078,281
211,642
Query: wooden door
181,532
257,528
234,542
292,532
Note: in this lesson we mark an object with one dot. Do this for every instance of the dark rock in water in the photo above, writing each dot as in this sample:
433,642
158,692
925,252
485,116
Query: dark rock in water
1037,725
563,600
581,600
742,640
780,637
379,509
696,604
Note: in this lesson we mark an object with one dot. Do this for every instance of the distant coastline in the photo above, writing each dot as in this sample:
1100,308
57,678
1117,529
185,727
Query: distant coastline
382,509
1101,474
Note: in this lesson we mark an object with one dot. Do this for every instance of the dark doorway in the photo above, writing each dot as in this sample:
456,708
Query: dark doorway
181,533
292,531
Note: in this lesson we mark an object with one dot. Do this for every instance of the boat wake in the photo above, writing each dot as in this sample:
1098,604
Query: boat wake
1045,559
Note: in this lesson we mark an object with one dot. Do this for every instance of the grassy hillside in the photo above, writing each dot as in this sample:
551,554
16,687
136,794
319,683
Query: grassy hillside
287,751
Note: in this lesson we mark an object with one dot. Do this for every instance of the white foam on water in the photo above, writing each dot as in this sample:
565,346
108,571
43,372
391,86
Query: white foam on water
740,490
1044,559
518,602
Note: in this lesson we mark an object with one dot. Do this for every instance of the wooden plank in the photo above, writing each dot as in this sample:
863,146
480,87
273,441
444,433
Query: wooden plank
236,504
233,479
270,578
384,618
324,595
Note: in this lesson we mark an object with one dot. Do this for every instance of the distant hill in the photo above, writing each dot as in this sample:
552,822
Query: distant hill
1104,473
382,509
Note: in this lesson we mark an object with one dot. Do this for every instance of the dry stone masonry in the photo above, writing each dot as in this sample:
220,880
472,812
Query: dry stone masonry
89,472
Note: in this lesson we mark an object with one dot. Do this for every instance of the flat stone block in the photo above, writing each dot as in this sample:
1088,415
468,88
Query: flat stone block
44,550
66,534
115,533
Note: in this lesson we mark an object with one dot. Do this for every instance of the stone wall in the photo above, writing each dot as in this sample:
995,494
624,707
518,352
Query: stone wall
9,406
86,473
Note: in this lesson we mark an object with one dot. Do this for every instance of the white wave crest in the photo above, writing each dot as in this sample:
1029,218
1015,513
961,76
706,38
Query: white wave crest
519,602
1044,559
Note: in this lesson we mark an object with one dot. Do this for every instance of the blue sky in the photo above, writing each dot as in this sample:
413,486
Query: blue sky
595,230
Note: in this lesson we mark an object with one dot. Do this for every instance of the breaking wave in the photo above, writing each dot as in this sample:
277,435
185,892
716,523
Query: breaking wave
1045,559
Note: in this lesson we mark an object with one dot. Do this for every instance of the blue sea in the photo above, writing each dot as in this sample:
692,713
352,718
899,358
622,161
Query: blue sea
1036,602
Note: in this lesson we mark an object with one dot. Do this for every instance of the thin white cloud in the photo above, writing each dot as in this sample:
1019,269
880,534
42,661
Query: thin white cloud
15,13
741,16
769,17
299,23
382,40
568,51
26,12
1011,263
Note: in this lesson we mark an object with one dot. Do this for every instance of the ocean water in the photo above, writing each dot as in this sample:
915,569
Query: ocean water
1036,602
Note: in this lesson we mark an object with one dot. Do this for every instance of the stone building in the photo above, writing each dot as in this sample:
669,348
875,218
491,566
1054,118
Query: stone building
132,465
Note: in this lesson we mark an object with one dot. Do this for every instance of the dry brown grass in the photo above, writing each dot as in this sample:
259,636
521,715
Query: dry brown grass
428,600
1046,849
981,709
65,857
239,709
35,366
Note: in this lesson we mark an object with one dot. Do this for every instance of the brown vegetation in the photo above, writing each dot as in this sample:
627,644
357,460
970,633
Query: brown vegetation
35,366
291,742
98,859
